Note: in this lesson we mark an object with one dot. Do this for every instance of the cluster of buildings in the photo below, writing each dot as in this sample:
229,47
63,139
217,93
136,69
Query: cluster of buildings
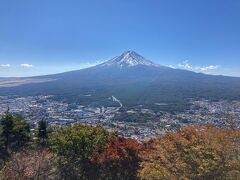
35,108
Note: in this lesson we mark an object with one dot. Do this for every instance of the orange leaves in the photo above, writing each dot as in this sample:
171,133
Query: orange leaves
193,152
117,149
118,159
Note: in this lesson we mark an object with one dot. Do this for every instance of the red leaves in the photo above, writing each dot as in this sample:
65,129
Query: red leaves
118,149
119,159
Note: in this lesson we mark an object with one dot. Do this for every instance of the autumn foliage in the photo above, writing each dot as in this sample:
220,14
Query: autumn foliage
87,152
197,152
92,153
119,159
28,165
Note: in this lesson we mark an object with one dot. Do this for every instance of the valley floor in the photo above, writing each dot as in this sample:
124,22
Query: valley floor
137,122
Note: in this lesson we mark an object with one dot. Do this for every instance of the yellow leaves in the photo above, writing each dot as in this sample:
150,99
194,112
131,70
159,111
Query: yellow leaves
196,152
154,171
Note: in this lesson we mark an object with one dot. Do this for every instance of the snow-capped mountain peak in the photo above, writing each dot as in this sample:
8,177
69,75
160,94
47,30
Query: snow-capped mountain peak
129,58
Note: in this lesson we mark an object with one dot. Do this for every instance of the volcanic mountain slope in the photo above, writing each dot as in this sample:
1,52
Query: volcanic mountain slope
133,80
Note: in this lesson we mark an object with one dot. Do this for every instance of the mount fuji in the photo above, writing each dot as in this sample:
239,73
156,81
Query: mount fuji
129,59
130,78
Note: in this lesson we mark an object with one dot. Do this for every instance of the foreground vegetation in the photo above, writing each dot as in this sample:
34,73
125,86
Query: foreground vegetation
87,152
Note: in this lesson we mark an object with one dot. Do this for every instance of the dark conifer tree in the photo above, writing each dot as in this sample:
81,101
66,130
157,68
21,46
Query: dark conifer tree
42,131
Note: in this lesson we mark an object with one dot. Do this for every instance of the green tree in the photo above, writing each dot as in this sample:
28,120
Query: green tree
74,147
3,154
6,125
42,131
14,132
21,133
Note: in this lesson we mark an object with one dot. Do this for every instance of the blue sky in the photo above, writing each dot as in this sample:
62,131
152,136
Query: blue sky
50,36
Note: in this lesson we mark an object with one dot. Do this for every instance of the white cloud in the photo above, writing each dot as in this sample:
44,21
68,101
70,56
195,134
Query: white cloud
185,65
89,64
205,69
26,65
5,65
171,66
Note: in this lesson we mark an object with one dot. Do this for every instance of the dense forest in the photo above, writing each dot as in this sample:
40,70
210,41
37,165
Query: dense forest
86,152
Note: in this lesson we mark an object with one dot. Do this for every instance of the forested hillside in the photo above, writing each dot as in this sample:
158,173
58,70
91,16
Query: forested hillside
87,152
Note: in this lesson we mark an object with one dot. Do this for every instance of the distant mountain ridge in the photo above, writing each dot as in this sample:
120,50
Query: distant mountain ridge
132,79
